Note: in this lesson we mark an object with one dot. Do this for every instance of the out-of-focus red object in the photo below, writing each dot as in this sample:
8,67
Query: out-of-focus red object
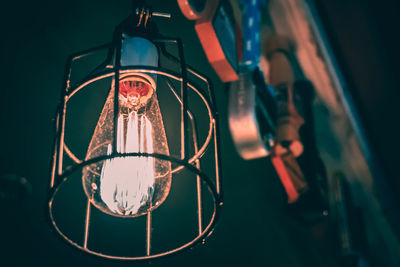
134,88
214,48
287,183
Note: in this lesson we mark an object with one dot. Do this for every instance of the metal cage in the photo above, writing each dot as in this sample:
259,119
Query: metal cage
61,171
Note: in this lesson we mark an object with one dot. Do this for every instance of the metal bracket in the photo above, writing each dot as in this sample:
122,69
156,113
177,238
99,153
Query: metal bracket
252,109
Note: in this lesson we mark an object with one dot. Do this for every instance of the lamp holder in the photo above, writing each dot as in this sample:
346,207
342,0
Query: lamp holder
66,163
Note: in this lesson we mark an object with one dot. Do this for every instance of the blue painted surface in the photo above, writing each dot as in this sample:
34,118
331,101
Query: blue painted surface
251,18
138,51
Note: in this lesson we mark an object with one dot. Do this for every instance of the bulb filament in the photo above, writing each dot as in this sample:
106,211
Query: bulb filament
127,183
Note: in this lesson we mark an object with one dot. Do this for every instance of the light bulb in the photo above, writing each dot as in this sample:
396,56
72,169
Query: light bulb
129,186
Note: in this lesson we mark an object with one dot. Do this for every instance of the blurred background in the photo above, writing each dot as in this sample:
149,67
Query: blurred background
256,228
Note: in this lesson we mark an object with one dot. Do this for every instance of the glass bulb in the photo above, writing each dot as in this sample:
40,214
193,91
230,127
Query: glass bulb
129,186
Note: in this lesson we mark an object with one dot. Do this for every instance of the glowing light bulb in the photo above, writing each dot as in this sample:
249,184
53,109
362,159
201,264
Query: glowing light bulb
129,186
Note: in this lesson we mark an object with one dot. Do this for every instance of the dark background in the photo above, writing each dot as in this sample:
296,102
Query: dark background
365,39
255,229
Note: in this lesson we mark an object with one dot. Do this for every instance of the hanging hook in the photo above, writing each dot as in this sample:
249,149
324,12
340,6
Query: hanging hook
140,14
147,14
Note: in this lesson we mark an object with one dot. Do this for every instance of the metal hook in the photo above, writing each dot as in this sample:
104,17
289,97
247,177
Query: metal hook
148,16
140,13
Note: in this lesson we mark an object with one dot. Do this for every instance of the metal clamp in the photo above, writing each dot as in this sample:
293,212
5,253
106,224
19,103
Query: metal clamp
252,110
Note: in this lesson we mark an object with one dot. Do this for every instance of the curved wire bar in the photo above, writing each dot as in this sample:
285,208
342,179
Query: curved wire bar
207,230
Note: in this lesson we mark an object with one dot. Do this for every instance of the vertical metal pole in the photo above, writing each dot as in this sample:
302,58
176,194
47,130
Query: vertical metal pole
148,233
217,160
198,179
199,201
61,140
217,155
61,119
53,163
87,222
117,67
184,106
